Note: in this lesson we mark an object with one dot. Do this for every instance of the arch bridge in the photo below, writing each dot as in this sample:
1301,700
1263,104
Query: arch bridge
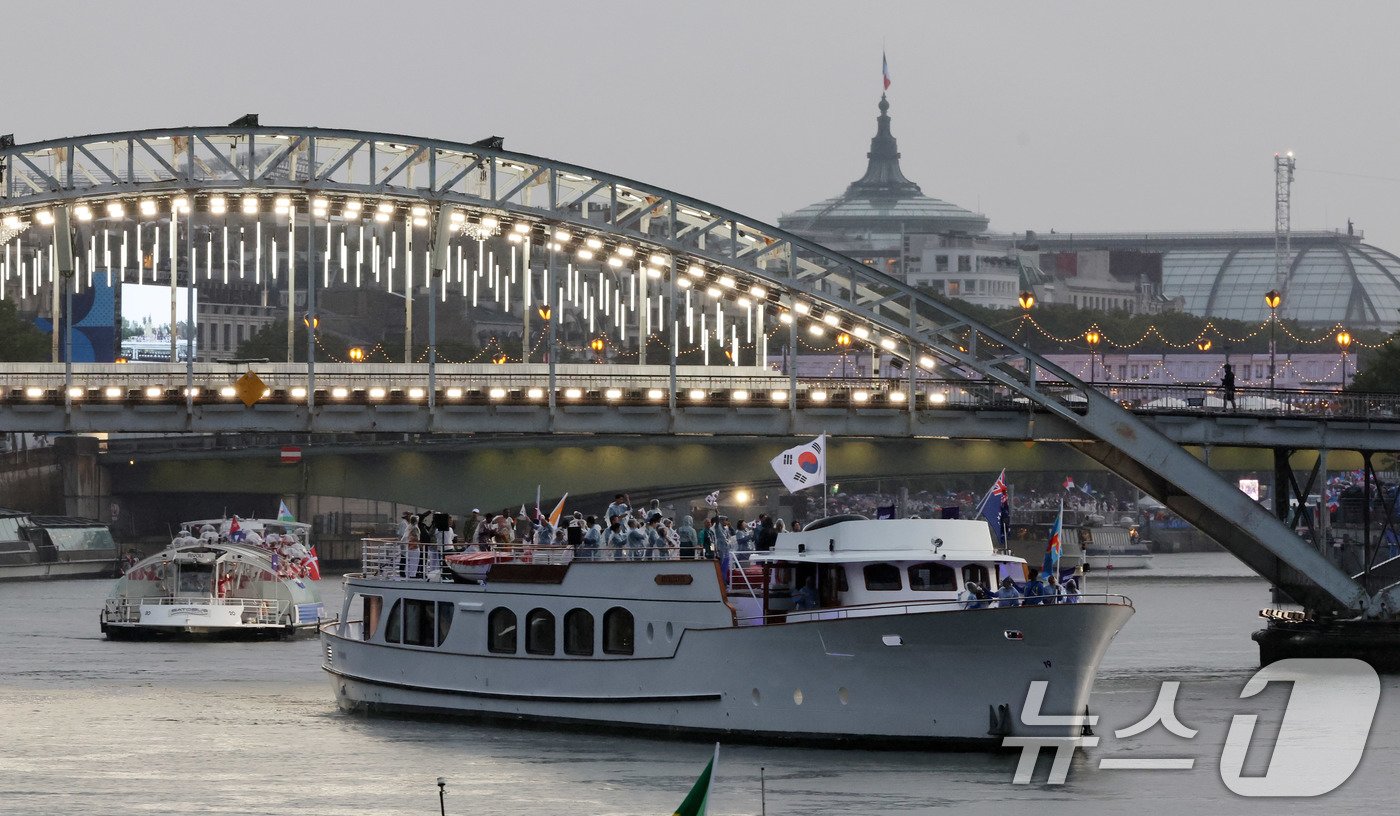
305,210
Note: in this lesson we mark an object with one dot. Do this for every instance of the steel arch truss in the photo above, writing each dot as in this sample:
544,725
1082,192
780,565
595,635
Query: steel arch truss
729,254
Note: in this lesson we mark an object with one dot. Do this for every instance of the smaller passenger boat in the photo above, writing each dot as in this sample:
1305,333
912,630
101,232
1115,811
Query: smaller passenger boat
1114,547
238,578
38,547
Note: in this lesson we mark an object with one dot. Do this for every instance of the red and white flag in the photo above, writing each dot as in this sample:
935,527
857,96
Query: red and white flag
313,566
885,69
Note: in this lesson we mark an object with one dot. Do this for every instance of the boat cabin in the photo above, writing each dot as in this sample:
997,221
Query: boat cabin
859,566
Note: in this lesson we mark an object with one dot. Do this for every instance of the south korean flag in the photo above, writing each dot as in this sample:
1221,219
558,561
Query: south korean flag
803,466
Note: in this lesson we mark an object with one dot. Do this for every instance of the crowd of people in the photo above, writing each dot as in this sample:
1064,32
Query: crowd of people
621,532
289,555
1033,592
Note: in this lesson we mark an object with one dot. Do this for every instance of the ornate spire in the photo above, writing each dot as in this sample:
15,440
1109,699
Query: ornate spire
883,178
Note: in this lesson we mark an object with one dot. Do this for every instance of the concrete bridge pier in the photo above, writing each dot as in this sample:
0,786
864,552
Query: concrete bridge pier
63,479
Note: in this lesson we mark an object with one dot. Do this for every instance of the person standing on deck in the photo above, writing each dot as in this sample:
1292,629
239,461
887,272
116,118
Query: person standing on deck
687,537
722,544
413,554
616,540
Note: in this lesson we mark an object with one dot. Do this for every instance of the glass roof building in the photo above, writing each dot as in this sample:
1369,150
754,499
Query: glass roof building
1331,277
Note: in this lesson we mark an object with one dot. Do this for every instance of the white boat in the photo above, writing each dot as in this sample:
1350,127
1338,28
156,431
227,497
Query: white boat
1114,548
886,654
37,547
239,578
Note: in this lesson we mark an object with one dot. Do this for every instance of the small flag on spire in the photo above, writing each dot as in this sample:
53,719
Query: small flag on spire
885,69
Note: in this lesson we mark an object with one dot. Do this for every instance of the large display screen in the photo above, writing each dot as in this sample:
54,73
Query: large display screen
145,323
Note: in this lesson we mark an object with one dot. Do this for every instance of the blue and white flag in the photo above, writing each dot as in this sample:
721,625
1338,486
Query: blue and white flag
713,499
803,466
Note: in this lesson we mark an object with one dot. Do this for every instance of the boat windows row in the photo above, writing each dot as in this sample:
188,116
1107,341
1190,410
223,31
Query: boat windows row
417,622
578,640
932,576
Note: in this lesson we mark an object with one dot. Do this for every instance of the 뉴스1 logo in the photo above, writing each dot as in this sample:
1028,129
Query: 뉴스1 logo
1318,747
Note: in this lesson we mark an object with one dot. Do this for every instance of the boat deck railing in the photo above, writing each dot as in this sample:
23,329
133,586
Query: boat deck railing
918,607
391,558
128,610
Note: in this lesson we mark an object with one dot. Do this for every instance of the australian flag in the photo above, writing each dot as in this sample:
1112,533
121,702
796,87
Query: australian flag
996,509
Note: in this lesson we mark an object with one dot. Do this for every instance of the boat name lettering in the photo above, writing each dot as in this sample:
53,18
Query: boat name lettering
189,610
674,579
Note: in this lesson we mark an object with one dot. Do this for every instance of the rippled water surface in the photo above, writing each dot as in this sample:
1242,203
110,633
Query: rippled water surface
251,728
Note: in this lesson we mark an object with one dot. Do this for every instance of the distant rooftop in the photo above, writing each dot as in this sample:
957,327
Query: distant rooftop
883,200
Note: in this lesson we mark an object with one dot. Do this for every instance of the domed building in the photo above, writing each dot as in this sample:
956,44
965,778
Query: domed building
869,221
885,220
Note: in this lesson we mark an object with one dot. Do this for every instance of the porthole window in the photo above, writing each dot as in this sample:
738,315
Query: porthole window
501,630
578,633
539,632
619,632
882,578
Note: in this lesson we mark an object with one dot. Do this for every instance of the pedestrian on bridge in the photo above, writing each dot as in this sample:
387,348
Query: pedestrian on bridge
1227,384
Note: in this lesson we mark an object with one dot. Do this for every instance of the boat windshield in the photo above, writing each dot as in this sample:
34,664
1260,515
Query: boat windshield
195,579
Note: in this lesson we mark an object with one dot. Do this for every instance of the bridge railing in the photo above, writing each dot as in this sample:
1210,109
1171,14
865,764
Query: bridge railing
582,385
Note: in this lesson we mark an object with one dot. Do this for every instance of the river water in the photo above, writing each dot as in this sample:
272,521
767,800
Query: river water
251,728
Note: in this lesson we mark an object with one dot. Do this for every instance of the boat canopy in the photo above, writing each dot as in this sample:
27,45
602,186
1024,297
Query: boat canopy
848,540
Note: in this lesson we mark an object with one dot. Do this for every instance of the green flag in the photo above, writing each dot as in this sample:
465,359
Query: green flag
698,800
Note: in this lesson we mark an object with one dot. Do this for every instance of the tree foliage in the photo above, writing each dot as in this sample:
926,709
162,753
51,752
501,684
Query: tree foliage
20,340
1380,369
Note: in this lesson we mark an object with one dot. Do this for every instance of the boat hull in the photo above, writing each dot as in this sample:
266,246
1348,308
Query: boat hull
956,678
1119,562
57,570
117,631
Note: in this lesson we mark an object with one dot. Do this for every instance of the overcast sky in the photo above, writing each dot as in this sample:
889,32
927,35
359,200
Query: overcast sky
1072,116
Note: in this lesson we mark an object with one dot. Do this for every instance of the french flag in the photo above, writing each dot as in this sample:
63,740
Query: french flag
885,69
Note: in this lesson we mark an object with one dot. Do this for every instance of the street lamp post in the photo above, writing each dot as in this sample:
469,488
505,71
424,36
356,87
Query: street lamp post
1344,341
1092,337
1027,301
1273,299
